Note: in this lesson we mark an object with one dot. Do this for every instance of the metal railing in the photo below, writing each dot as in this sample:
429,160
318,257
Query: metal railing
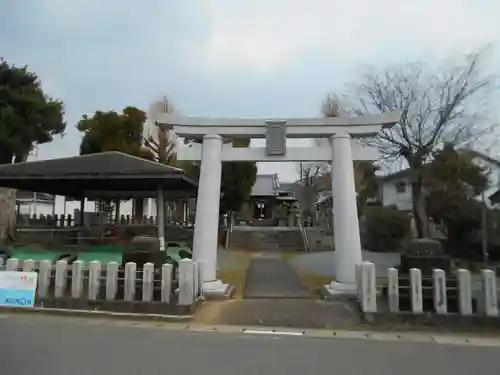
303,232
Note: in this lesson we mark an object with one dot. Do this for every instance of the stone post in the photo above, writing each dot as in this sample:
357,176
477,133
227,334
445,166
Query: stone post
12,264
200,278
416,291
166,283
130,276
464,292
186,282
489,286
28,265
77,279
393,289
111,280
148,272
94,279
368,288
44,278
61,278
196,282
440,292
357,272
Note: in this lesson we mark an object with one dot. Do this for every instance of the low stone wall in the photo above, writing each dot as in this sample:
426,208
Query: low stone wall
108,287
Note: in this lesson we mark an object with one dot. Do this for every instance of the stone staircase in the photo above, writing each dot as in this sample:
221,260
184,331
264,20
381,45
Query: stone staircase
267,239
319,239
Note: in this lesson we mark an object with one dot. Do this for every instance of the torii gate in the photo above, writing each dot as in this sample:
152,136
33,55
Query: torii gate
343,147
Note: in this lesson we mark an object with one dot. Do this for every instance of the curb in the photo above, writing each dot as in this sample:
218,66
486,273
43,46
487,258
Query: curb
96,314
477,340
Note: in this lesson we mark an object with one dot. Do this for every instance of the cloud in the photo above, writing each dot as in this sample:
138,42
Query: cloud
230,58
265,36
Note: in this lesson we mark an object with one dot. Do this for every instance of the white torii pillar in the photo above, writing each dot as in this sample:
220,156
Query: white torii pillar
205,242
345,216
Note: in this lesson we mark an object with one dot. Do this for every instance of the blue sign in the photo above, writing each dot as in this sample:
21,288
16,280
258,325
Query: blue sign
17,289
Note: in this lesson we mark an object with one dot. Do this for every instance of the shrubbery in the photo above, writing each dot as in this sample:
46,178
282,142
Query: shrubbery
385,228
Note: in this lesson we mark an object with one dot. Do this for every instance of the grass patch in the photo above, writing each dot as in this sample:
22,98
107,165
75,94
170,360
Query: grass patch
289,255
314,282
234,272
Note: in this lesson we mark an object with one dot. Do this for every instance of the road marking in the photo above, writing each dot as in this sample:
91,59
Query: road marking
273,332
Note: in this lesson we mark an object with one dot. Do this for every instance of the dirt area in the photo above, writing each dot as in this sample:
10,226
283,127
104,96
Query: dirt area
232,269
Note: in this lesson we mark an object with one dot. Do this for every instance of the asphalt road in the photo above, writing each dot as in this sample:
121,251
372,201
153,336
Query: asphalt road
48,346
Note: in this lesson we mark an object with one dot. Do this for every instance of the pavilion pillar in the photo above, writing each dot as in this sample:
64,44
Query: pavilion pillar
160,217
205,243
117,211
345,216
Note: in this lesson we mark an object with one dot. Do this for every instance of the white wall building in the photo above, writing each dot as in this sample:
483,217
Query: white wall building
395,189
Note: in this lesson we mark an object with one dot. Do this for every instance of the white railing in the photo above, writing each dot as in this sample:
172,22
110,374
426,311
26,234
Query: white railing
460,286
303,232
96,281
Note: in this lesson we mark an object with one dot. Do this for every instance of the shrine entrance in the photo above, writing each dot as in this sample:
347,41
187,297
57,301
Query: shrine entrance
340,145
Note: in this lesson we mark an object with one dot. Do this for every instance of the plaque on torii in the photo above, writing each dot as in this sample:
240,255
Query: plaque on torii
275,137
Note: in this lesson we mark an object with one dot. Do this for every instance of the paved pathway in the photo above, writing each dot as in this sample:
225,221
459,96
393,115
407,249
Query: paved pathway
280,312
270,276
37,345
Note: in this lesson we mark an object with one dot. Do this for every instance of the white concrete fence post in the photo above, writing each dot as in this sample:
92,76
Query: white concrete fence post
489,289
166,283
28,265
200,278
77,279
129,282
416,291
94,279
357,275
186,282
393,289
464,292
196,283
2,261
148,273
440,292
368,288
12,264
44,275
61,278
111,280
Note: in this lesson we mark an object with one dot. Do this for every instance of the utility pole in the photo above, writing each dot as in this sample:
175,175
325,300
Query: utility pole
35,157
484,227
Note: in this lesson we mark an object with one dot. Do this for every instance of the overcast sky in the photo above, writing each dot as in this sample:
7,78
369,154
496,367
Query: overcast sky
252,58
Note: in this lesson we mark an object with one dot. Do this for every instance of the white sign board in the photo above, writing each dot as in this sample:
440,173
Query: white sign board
17,289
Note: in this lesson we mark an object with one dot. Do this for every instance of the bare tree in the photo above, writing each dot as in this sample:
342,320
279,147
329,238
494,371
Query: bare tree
447,105
311,184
